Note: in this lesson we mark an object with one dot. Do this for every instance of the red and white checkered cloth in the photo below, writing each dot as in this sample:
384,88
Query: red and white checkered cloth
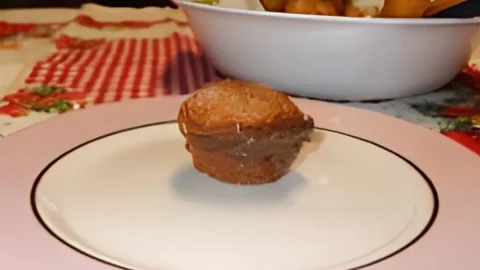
120,69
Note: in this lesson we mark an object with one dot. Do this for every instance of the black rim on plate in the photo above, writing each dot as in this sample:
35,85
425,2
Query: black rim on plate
430,184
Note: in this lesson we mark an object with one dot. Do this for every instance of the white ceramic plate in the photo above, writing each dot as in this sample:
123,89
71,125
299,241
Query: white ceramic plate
122,190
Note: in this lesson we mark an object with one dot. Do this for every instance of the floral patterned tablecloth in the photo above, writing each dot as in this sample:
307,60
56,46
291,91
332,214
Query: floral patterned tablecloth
97,55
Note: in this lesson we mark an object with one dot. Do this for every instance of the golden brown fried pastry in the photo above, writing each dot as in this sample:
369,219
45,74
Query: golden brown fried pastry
243,133
439,5
361,8
405,8
315,7
339,5
274,5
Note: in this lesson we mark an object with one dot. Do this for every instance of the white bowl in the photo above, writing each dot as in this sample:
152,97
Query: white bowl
333,58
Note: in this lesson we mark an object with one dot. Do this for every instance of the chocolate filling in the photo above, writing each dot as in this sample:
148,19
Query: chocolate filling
253,144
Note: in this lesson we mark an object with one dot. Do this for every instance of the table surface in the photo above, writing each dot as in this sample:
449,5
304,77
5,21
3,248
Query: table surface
15,65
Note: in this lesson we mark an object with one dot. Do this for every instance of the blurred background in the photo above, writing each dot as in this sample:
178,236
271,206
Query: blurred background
6,4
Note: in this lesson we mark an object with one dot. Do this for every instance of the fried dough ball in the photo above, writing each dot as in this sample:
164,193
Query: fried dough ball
405,8
360,8
315,7
274,5
243,133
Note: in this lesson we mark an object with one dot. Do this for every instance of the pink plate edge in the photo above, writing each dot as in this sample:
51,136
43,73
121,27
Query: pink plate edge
452,242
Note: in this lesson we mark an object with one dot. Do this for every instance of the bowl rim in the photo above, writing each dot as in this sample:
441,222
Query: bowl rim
332,19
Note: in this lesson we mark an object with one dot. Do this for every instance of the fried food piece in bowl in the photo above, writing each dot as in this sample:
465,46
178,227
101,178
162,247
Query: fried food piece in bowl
315,7
364,8
274,5
405,8
243,133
